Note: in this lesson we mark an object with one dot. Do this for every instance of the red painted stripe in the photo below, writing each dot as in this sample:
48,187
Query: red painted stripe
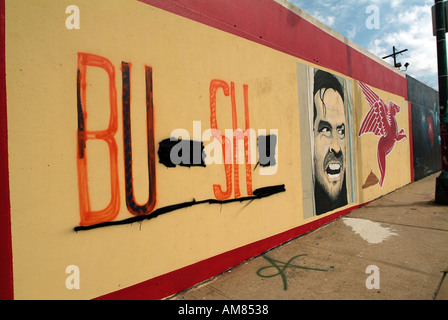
270,24
6,276
184,278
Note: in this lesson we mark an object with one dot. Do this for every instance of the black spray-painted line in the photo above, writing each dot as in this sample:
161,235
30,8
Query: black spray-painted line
257,194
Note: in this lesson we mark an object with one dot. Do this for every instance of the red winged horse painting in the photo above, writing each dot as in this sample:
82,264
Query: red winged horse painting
380,120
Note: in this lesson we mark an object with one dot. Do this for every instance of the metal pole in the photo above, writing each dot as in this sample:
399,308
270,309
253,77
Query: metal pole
442,181
395,57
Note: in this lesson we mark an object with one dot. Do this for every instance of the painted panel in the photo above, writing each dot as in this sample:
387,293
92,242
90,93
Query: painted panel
426,128
383,141
327,115
88,187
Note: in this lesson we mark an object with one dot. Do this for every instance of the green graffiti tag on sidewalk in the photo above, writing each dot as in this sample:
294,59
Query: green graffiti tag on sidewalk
281,267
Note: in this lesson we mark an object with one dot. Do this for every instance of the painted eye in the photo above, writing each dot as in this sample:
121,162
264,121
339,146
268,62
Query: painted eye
341,131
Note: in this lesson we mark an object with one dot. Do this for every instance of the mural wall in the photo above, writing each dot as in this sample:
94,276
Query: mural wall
154,146
425,128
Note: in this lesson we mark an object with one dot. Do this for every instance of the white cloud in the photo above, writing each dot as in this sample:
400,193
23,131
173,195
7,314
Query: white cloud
327,20
396,3
412,30
351,32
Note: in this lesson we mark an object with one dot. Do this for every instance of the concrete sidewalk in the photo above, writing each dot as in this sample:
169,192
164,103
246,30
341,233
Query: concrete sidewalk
399,243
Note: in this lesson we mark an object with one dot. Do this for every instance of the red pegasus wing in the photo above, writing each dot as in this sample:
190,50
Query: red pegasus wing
376,119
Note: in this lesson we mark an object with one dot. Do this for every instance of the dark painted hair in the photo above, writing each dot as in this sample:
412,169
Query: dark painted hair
325,80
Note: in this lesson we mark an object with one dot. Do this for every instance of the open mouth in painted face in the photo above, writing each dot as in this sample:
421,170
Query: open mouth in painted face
333,171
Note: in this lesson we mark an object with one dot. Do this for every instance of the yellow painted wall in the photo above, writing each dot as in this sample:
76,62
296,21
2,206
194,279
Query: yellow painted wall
41,66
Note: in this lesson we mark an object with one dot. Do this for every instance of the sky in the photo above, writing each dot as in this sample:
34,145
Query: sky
378,25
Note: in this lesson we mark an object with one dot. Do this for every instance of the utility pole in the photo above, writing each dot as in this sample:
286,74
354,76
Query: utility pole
395,54
440,28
